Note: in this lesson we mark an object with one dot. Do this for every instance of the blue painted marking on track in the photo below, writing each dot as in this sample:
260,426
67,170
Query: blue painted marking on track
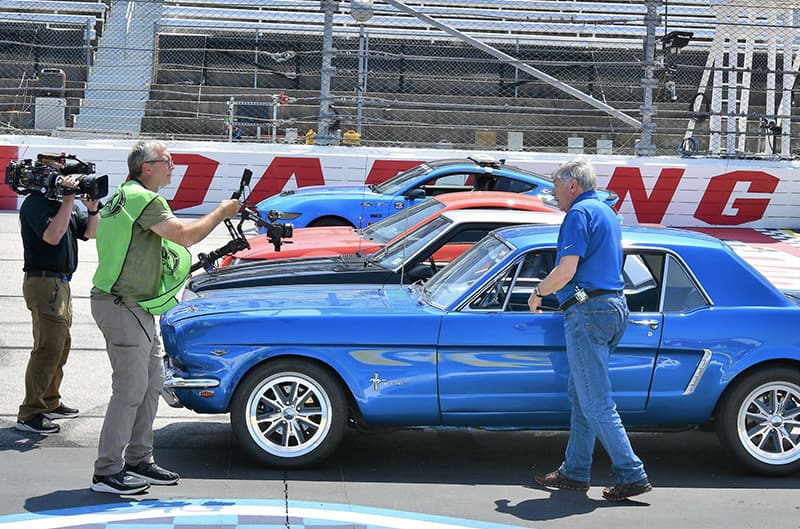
239,514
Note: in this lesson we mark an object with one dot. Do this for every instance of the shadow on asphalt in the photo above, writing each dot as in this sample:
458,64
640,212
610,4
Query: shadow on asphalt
462,456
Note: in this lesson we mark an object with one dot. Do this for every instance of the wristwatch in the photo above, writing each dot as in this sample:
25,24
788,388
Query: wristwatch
537,293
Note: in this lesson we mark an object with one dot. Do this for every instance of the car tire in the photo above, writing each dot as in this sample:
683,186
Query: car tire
758,420
289,413
329,221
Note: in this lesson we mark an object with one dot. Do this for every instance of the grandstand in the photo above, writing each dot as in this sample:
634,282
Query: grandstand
171,67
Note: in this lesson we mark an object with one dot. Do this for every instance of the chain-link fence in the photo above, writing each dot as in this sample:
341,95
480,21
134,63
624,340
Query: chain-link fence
716,77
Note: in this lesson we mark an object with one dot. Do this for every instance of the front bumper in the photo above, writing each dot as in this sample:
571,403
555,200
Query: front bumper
173,381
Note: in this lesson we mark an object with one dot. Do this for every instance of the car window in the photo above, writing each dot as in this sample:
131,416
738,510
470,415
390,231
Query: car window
511,289
448,183
642,273
681,292
510,185
450,284
398,252
387,229
393,185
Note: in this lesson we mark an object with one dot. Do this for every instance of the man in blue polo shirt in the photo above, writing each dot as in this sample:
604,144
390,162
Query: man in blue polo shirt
587,281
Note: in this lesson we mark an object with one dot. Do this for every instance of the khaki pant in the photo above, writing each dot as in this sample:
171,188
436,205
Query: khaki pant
134,350
50,301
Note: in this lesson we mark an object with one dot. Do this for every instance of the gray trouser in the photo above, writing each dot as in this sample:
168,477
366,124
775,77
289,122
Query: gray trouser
134,349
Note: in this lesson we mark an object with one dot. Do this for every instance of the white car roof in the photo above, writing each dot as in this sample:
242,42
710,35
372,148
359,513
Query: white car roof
461,216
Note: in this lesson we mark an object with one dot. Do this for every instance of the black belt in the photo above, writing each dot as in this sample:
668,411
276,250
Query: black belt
590,294
48,273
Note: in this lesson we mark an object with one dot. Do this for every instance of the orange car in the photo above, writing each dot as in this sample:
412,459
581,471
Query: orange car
337,240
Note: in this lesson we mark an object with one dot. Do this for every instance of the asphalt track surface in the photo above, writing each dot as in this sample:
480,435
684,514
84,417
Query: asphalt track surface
442,479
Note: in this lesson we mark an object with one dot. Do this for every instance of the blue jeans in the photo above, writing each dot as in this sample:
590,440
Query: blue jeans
592,330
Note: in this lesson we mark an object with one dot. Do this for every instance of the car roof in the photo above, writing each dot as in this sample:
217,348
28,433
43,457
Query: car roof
632,236
491,198
461,216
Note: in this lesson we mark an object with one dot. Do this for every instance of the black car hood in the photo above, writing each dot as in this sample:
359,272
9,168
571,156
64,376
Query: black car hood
283,271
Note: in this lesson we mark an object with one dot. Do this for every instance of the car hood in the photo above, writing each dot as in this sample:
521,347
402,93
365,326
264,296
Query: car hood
288,302
275,269
312,192
309,242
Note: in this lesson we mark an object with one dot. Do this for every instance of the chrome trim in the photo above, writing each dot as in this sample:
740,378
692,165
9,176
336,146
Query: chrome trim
699,371
173,382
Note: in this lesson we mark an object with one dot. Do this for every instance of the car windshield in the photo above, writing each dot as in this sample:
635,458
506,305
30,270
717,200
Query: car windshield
396,183
392,226
459,276
396,254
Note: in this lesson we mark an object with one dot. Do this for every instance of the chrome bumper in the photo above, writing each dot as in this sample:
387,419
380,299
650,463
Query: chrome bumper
172,382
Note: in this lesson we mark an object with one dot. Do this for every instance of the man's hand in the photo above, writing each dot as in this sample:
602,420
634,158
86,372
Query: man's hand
69,182
91,205
229,207
534,303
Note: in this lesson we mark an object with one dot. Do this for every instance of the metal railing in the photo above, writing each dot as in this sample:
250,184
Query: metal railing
696,77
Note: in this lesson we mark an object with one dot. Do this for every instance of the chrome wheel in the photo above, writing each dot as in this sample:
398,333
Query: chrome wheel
768,423
288,414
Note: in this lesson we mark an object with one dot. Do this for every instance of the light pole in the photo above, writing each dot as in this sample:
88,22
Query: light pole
326,73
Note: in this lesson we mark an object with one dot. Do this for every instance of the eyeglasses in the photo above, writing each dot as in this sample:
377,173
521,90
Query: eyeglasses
168,161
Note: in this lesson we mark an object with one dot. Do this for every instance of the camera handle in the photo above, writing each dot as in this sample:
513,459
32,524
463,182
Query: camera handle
275,231
238,242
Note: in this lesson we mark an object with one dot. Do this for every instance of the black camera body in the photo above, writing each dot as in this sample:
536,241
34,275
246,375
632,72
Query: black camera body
277,231
46,174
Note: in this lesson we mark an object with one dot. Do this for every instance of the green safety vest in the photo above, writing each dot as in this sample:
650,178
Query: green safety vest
114,235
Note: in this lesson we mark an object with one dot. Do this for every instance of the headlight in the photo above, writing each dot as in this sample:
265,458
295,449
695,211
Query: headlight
287,215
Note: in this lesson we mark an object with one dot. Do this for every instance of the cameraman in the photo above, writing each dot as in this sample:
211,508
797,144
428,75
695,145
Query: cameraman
50,232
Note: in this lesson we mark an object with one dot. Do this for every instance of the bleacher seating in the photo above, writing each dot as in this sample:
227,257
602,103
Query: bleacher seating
616,24
42,35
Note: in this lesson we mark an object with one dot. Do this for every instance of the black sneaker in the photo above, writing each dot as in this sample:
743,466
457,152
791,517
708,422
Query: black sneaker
557,480
153,474
623,491
119,483
39,424
62,412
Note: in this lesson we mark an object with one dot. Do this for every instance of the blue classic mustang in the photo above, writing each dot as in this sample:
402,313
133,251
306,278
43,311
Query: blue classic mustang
709,340
361,205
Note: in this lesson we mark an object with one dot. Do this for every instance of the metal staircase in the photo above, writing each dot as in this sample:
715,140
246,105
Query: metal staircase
118,84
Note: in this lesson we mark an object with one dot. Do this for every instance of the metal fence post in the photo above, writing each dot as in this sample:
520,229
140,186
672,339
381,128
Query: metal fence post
649,82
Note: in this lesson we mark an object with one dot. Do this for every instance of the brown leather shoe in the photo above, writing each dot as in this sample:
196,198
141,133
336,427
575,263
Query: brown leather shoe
557,480
623,491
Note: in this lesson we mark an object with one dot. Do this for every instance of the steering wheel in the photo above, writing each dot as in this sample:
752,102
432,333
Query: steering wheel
494,298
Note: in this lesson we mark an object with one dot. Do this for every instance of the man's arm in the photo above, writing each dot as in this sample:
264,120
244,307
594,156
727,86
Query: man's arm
59,224
93,220
189,233
555,280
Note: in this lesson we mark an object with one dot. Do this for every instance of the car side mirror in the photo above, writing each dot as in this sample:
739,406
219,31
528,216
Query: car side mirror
415,194
419,271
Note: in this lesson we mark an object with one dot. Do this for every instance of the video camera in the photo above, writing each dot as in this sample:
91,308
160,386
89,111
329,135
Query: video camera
46,174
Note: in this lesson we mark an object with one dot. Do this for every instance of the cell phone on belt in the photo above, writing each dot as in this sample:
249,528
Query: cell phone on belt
580,295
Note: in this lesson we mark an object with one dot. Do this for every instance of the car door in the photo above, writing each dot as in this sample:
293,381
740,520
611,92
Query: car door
501,365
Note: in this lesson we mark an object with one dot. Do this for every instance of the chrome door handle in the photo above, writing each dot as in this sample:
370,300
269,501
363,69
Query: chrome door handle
653,324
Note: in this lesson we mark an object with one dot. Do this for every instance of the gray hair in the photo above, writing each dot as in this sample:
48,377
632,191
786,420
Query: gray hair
581,170
143,151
